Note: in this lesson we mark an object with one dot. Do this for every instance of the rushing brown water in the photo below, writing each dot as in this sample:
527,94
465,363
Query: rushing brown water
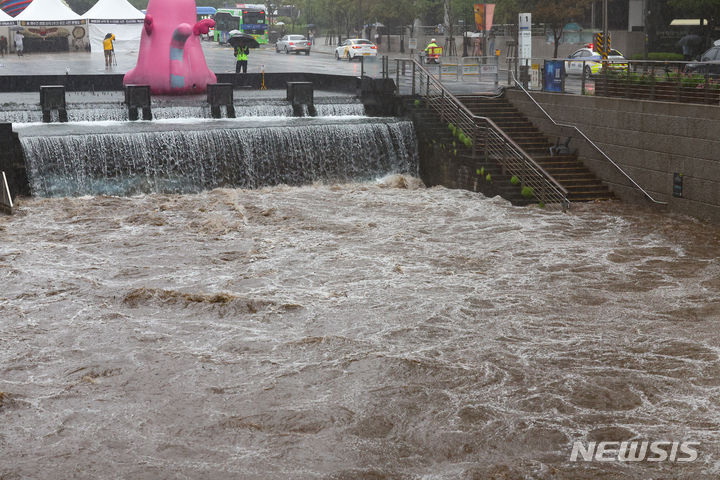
352,331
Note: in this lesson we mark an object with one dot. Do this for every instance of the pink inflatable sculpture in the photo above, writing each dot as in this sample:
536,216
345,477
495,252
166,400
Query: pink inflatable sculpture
171,59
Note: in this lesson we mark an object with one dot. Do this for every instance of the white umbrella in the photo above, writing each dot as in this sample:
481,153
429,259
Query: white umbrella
279,23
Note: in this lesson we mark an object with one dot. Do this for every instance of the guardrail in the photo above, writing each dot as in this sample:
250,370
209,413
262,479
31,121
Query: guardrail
684,82
488,141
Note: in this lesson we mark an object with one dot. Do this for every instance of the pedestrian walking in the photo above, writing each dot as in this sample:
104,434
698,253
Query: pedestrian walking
19,43
3,45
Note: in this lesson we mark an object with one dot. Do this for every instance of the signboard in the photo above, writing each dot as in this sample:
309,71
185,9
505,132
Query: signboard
488,69
471,69
449,69
677,184
412,43
535,75
554,73
524,38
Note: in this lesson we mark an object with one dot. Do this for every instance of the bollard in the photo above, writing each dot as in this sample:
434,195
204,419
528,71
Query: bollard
219,95
138,96
301,94
52,97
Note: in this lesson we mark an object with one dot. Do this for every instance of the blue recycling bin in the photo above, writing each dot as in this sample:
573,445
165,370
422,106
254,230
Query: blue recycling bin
554,76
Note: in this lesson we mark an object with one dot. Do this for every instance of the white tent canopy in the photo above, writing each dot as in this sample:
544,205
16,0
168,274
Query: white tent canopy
48,12
5,22
118,17
40,14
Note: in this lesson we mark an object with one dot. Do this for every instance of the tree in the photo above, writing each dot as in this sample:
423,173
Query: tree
558,13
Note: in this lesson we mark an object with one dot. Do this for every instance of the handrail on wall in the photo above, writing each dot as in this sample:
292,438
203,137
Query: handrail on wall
541,178
565,125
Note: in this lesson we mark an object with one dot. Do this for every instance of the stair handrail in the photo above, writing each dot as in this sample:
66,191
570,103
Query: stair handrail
582,134
546,188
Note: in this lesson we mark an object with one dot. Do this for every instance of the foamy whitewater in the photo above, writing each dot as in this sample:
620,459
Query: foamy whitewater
362,331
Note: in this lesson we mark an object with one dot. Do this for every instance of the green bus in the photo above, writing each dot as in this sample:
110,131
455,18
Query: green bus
247,18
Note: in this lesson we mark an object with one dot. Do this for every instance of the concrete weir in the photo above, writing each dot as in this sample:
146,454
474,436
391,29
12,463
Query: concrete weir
101,145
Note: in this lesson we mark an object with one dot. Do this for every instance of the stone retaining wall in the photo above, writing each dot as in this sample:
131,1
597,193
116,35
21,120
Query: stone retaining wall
650,140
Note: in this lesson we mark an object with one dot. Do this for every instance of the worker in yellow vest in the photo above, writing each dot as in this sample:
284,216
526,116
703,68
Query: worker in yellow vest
433,52
430,45
241,55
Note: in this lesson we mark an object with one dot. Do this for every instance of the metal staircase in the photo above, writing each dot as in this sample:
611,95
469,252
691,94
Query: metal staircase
488,144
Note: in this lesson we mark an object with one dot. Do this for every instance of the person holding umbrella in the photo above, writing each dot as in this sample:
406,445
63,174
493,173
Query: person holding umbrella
242,43
109,49
241,55
689,44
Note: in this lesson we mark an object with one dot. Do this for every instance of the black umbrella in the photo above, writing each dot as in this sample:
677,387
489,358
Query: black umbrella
690,40
243,40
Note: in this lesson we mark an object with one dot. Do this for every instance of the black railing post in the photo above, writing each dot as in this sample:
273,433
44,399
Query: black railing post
442,107
652,82
605,81
486,147
627,83
397,76
707,87
413,79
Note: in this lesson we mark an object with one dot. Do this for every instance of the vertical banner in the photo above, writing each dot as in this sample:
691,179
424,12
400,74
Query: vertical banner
479,17
525,38
484,13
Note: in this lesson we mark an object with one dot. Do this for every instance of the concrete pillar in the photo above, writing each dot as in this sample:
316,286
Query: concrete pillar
299,94
52,97
219,95
138,97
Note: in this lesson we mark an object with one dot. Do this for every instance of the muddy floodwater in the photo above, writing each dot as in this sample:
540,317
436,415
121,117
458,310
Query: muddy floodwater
362,331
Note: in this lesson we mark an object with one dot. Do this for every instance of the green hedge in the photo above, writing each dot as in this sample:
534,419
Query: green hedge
661,56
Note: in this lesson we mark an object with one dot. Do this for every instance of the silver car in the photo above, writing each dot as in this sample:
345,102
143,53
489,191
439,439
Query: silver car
293,43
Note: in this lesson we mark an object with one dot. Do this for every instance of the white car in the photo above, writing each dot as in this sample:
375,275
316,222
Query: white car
587,62
293,43
355,48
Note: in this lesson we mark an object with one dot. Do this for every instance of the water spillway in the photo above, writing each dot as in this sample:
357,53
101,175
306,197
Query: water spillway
188,156
88,112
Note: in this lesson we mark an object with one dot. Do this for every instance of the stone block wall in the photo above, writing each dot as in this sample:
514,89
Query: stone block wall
650,140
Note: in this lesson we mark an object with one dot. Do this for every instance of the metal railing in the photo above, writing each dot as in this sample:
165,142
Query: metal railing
487,141
590,142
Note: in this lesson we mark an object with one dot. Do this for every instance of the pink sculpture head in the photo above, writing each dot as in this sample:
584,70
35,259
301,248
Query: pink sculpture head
171,59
